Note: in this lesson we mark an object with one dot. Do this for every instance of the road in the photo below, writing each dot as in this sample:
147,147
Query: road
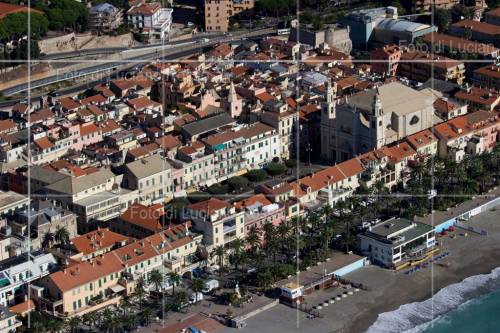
112,50
158,52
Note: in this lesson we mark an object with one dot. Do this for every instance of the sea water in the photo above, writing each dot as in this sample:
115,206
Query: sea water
480,315
472,305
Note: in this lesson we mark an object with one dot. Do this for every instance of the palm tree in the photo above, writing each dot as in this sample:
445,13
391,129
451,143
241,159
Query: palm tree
146,315
283,231
253,240
109,321
220,253
197,286
180,299
89,319
54,325
129,322
73,324
348,237
48,240
37,323
174,279
238,253
140,291
156,279
62,235
270,241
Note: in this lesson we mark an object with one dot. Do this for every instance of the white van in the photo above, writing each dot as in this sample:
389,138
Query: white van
195,297
210,285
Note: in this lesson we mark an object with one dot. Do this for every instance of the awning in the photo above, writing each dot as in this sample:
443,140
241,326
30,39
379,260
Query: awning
117,288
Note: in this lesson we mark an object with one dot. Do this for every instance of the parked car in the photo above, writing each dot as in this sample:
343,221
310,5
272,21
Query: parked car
195,297
210,286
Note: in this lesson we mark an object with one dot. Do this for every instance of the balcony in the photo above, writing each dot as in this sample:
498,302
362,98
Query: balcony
172,263
229,227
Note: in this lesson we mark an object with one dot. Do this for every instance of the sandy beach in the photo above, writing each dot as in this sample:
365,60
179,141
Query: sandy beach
471,255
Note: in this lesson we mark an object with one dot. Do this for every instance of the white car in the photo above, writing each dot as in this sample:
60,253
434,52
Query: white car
195,297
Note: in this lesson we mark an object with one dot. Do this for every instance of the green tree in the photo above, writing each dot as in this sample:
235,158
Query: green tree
198,197
67,14
16,26
180,299
218,189
253,240
459,12
256,175
73,323
197,286
237,183
146,315
156,279
48,240
62,235
174,279
442,18
238,254
275,169
140,291
219,252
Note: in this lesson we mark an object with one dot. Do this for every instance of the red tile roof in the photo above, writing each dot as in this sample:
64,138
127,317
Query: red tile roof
209,206
144,216
7,8
96,240
44,143
7,125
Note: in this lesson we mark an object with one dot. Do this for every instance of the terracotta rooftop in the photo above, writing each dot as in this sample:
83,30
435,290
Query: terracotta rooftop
168,142
258,198
210,206
482,27
444,105
97,240
146,9
489,71
23,308
7,125
44,143
421,139
69,103
7,8
147,217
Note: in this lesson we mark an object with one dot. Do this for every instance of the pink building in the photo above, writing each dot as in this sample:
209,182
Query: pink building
84,134
259,211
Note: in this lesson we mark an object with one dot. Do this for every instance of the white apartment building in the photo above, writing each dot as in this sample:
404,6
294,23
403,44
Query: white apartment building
276,115
240,149
16,272
151,19
218,220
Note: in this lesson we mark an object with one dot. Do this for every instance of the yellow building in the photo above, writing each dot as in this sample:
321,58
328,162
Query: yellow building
104,280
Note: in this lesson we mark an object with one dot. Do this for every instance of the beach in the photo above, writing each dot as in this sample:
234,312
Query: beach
469,256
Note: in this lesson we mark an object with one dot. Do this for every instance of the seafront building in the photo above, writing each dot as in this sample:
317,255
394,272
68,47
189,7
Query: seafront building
397,241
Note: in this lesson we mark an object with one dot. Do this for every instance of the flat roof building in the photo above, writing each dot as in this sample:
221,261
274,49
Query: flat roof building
394,242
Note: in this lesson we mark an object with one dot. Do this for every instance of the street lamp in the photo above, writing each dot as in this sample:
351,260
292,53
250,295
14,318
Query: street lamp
309,150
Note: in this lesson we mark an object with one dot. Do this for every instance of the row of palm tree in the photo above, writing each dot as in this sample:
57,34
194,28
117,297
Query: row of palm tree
300,242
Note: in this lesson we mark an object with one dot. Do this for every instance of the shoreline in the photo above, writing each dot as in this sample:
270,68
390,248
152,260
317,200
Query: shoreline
469,255
365,320
464,262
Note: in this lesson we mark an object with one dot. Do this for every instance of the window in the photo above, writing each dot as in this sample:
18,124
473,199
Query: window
414,120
